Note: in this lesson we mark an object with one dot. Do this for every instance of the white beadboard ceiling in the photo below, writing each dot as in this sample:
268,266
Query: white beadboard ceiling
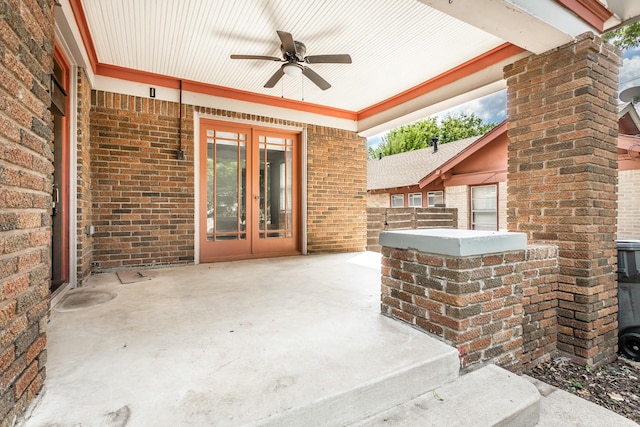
394,44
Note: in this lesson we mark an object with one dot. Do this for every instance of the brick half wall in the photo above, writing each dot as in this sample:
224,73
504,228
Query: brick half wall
494,308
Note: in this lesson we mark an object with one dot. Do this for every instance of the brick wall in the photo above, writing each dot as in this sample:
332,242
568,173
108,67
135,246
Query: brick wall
539,302
378,200
336,190
84,249
628,208
142,196
457,197
494,308
562,178
26,47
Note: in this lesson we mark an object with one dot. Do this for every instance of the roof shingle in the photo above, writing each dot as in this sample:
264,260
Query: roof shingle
407,169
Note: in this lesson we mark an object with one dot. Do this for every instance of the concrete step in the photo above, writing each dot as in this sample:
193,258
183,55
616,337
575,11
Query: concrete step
490,396
439,365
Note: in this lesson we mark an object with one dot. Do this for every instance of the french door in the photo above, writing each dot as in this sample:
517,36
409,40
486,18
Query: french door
249,192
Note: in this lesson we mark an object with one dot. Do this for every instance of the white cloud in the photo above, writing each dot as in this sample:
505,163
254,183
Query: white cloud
490,108
630,72
375,140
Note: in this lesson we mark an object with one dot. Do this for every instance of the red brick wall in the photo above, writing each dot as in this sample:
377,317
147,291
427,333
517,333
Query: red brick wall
497,308
84,250
337,190
474,303
540,303
562,182
142,196
26,46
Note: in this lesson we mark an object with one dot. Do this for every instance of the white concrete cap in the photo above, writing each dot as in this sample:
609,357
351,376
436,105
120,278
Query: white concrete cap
454,242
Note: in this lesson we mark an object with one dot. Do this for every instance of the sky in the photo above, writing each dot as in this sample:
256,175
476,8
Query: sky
493,108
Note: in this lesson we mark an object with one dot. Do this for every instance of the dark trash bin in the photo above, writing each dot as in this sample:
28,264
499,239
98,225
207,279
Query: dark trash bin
629,298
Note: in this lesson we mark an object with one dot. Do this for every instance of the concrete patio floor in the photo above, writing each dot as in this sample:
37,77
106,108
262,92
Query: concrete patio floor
237,343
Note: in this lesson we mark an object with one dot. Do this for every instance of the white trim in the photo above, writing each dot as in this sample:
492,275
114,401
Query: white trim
110,84
73,176
304,193
68,36
395,196
196,187
414,194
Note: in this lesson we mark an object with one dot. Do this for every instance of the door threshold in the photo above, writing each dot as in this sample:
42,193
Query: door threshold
250,257
58,294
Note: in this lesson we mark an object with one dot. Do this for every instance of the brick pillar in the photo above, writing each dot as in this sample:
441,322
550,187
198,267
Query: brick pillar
84,249
26,167
562,181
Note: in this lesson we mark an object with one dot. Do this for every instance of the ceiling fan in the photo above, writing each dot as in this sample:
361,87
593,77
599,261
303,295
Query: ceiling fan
293,58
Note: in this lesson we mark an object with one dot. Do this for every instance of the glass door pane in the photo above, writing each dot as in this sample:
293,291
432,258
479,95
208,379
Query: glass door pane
275,187
226,185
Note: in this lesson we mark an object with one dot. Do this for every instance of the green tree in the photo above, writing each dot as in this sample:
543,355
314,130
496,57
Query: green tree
625,37
417,135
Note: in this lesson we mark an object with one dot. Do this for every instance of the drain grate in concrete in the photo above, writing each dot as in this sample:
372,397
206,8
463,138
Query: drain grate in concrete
81,300
133,276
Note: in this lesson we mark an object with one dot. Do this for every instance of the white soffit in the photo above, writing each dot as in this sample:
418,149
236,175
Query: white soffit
535,25
624,9
395,44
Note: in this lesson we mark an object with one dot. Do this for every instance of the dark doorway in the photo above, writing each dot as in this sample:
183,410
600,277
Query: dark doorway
60,190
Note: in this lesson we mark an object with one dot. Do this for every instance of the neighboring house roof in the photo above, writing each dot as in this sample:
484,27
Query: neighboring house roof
407,169
432,174
423,167
628,119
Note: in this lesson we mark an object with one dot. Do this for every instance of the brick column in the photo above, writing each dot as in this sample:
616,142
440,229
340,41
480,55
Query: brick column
562,181
26,167
84,248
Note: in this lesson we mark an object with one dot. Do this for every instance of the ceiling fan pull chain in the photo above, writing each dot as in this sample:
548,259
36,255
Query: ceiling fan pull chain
302,81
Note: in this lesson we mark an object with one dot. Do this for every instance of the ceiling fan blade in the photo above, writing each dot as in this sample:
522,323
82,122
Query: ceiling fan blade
275,78
328,59
288,43
315,77
267,58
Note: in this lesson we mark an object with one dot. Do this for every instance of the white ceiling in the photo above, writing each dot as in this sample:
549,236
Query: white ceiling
395,45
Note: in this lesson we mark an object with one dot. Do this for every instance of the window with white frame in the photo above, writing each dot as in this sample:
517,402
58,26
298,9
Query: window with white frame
397,200
484,202
435,198
415,200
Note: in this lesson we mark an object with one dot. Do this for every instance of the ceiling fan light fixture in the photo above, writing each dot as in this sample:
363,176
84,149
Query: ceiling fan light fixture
292,70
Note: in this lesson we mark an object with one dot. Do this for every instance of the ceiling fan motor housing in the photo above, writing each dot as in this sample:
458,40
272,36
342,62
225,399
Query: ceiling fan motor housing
298,56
